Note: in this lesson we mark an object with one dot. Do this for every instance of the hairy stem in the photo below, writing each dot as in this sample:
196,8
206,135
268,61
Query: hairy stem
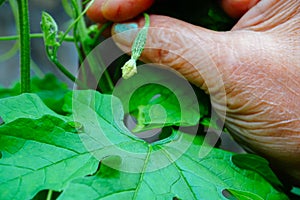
24,36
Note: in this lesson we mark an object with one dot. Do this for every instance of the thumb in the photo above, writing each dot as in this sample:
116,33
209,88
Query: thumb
192,51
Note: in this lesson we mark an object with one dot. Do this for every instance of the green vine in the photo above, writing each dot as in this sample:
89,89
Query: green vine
24,45
33,36
83,38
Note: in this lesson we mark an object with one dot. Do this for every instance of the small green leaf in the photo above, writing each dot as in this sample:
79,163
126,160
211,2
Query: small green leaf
49,29
258,164
158,97
296,191
155,106
244,195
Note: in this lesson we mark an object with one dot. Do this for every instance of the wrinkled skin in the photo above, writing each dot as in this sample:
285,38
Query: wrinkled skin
259,63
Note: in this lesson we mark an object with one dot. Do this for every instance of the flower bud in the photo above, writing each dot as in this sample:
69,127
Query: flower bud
129,69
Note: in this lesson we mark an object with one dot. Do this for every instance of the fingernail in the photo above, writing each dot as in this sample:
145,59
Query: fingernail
125,32
119,28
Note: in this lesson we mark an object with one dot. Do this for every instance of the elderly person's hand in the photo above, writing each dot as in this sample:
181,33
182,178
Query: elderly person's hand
259,63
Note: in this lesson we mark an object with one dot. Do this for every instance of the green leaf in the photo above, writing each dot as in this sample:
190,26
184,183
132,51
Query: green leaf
244,195
44,153
49,89
49,29
258,164
296,191
39,148
40,154
185,178
159,98
163,170
156,106
23,106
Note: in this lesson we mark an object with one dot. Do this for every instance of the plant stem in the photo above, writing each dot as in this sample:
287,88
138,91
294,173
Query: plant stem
49,196
76,20
65,71
82,36
61,67
33,35
100,31
24,45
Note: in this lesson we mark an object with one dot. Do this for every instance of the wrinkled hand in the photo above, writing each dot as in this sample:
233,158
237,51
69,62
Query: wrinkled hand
258,61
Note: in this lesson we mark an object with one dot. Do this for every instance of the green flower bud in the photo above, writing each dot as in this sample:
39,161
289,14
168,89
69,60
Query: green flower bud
129,69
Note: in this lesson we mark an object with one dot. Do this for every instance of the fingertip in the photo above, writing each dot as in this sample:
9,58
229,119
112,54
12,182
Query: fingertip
237,8
95,12
122,10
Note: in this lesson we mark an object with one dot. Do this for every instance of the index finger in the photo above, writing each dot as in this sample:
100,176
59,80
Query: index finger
117,10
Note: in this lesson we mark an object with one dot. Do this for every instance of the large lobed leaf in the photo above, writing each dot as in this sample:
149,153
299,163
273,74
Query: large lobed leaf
40,150
188,177
45,151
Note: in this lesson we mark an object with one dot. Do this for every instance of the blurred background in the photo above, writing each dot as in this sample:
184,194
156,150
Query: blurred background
9,55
